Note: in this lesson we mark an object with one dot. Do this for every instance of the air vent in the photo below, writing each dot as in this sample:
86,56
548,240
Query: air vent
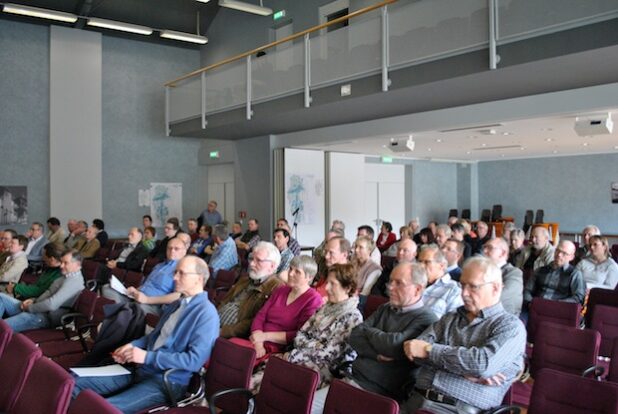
472,128
503,147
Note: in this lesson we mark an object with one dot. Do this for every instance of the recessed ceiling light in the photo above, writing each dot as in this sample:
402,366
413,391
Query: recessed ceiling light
502,155
428,149
468,152
438,140
522,148
472,136
483,145
585,144
555,151
507,133
548,139
383,146
616,147
546,129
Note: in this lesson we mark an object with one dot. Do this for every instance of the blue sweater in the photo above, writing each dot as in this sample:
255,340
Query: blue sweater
190,344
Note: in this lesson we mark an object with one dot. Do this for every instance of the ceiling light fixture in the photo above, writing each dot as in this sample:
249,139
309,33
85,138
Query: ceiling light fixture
38,12
246,7
203,1
125,27
548,140
185,37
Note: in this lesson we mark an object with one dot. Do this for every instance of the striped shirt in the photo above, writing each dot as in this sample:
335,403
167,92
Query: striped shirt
443,296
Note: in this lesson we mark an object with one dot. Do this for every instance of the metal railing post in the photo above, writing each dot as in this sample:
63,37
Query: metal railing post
249,111
167,111
203,81
385,50
493,56
307,71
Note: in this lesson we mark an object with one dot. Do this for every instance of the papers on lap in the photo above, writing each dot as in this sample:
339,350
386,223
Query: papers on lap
106,371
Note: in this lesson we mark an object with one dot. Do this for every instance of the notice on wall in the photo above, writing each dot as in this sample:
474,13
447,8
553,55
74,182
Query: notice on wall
165,202
13,205
615,192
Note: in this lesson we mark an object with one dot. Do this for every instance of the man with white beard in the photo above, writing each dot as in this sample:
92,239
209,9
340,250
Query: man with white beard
246,297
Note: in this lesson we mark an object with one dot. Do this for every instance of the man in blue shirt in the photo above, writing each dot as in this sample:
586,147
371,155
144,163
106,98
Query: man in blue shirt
225,255
158,289
183,339
210,216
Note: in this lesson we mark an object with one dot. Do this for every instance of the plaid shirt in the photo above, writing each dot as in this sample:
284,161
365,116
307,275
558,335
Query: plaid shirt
443,296
494,342
565,284
224,257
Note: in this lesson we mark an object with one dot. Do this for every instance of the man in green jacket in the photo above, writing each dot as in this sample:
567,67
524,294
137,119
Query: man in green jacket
52,254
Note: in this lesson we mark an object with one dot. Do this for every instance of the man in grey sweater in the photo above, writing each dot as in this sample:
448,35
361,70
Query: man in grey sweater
381,365
46,310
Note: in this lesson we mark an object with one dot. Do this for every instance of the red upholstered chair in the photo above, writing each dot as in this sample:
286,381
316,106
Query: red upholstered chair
89,402
372,304
605,320
5,336
133,279
47,390
612,374
562,313
15,365
90,269
346,398
222,284
560,392
598,296
150,263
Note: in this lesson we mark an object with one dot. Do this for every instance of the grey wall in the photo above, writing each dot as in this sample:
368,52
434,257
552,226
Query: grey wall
24,113
434,190
574,191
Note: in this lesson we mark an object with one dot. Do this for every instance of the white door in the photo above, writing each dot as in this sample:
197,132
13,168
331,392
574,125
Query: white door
221,189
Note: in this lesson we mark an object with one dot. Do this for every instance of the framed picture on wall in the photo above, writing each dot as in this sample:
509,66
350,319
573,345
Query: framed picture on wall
615,192
13,205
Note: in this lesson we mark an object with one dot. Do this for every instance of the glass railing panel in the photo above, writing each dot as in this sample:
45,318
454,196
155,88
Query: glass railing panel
278,72
347,52
185,100
519,19
427,30
226,86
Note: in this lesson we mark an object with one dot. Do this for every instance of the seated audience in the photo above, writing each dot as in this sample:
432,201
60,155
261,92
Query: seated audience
146,221
469,358
442,294
443,233
415,228
458,232
319,252
36,242
368,271
133,255
598,268
171,229
210,216
236,230
508,227
426,237
336,251
102,236
404,233
46,310
289,307
192,229
584,250
538,253
89,246
6,239
149,241
282,223
453,252
281,238
386,238
516,247
55,232
557,281
203,240
511,298
224,255
406,253
376,345
16,263
77,232
482,236
251,237
158,288
52,255
248,295
367,231
183,339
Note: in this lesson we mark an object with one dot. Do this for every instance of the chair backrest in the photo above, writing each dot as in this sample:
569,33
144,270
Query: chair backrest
5,335
452,213
560,392
101,255
540,214
564,348
133,279
286,387
89,402
486,215
48,389
562,313
496,212
15,365
528,218
465,213
387,262
85,303
612,375
345,398
605,321
599,296
373,303
90,269
119,273
150,263
230,366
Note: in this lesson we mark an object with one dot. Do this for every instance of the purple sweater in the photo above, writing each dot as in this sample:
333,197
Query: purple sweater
277,316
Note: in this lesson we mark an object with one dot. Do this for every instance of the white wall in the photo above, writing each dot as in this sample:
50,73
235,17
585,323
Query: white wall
386,200
347,190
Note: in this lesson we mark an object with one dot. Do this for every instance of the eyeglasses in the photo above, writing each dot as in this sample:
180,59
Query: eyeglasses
398,284
426,262
472,287
563,253
183,274
258,260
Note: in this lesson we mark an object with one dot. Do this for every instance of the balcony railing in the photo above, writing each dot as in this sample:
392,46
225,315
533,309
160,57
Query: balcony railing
380,38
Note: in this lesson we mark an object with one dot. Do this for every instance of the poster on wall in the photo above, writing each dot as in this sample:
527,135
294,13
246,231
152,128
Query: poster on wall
13,205
615,192
302,193
165,202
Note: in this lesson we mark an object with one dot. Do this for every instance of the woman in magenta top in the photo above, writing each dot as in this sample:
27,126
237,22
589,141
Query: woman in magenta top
386,237
289,307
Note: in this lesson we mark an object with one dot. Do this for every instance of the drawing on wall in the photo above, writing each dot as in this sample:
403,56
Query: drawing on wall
302,193
165,202
13,205
615,192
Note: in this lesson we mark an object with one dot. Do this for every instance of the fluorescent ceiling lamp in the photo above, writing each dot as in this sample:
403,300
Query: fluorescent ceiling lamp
185,37
125,27
246,7
37,12
203,1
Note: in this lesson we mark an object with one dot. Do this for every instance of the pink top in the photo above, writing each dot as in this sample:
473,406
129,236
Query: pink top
277,316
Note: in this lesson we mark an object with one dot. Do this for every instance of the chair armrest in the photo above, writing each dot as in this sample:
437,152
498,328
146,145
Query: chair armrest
596,370
193,396
242,391
512,409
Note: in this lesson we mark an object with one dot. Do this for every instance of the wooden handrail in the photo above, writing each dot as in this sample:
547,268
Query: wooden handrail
294,36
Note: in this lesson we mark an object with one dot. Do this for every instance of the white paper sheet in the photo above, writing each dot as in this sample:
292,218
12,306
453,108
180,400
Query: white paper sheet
117,285
106,371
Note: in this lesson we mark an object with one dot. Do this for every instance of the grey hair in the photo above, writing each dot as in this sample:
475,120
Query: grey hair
201,267
595,230
438,255
491,272
338,224
518,233
416,272
271,251
220,231
306,264
543,230
447,230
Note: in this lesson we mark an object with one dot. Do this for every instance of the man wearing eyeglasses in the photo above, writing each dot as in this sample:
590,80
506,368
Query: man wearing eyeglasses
248,295
497,250
443,294
182,340
469,358
36,242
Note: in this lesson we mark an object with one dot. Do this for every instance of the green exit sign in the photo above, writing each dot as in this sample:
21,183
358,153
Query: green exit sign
214,154
279,15
387,160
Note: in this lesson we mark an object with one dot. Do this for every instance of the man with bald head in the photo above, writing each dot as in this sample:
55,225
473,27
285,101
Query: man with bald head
469,358
406,253
538,253
558,281
497,250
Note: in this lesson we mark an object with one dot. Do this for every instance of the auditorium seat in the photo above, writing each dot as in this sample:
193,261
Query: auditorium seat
605,321
563,313
89,402
5,335
599,296
15,365
345,398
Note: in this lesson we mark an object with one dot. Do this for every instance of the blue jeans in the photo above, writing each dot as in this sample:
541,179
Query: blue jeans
16,318
147,391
